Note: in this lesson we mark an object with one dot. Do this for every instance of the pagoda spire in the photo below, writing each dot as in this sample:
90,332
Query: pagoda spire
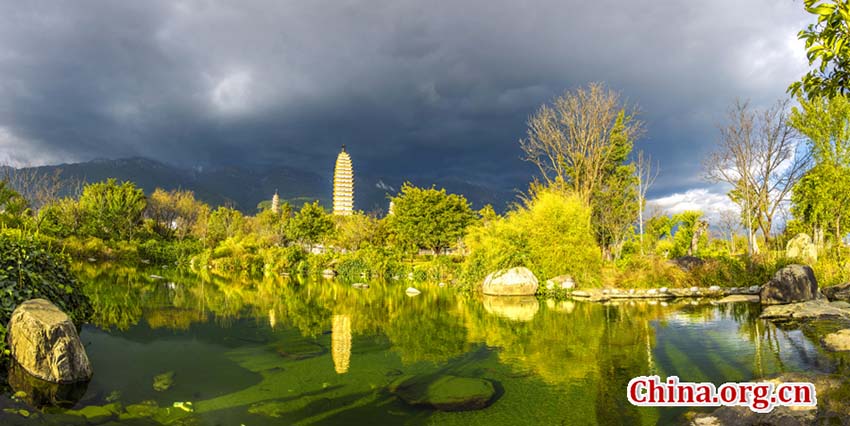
343,195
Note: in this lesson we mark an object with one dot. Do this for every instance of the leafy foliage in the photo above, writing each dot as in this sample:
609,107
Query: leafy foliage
826,49
358,230
223,223
311,224
428,218
175,212
615,202
821,199
551,235
110,210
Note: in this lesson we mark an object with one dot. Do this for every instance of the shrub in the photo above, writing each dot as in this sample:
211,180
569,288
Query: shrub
372,262
292,259
551,235
169,252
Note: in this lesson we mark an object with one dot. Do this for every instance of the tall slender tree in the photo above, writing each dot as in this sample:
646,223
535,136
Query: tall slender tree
646,174
758,155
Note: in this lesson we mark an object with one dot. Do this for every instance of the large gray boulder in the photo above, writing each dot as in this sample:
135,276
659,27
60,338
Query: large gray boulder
511,282
791,284
44,342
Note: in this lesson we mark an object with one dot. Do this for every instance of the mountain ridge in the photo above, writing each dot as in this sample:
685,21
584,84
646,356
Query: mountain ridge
245,187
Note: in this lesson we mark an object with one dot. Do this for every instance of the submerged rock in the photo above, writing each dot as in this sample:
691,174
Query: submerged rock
300,349
737,298
44,341
446,393
412,291
96,414
793,283
837,292
812,309
163,382
838,341
511,282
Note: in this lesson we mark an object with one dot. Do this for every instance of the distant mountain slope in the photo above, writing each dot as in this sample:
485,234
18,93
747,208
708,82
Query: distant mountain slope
245,187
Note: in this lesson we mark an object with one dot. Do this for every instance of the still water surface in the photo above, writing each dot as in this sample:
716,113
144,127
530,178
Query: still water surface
279,351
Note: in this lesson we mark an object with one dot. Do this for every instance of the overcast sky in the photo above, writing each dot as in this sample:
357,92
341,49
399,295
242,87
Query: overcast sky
412,87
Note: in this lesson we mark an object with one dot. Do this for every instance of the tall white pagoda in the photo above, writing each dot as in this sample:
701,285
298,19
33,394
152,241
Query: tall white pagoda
343,184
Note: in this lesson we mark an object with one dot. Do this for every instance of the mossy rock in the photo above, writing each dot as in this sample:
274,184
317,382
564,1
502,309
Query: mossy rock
163,382
446,393
141,410
97,414
300,349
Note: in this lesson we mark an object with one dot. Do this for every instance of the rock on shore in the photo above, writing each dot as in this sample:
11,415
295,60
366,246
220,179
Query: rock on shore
511,282
791,284
44,341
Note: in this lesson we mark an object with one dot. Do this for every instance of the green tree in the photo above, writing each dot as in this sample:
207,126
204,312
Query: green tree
358,230
61,218
174,212
311,224
110,210
428,218
826,124
821,199
223,223
272,226
615,202
826,49
690,233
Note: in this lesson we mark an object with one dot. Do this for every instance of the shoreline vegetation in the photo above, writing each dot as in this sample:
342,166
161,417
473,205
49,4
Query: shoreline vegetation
584,216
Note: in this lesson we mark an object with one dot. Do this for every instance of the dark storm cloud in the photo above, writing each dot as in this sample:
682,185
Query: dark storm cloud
411,87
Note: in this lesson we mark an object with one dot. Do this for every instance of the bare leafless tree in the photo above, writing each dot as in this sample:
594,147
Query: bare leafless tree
38,187
646,174
758,155
728,222
569,140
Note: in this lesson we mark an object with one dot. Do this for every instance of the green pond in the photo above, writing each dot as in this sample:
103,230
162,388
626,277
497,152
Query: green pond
285,351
